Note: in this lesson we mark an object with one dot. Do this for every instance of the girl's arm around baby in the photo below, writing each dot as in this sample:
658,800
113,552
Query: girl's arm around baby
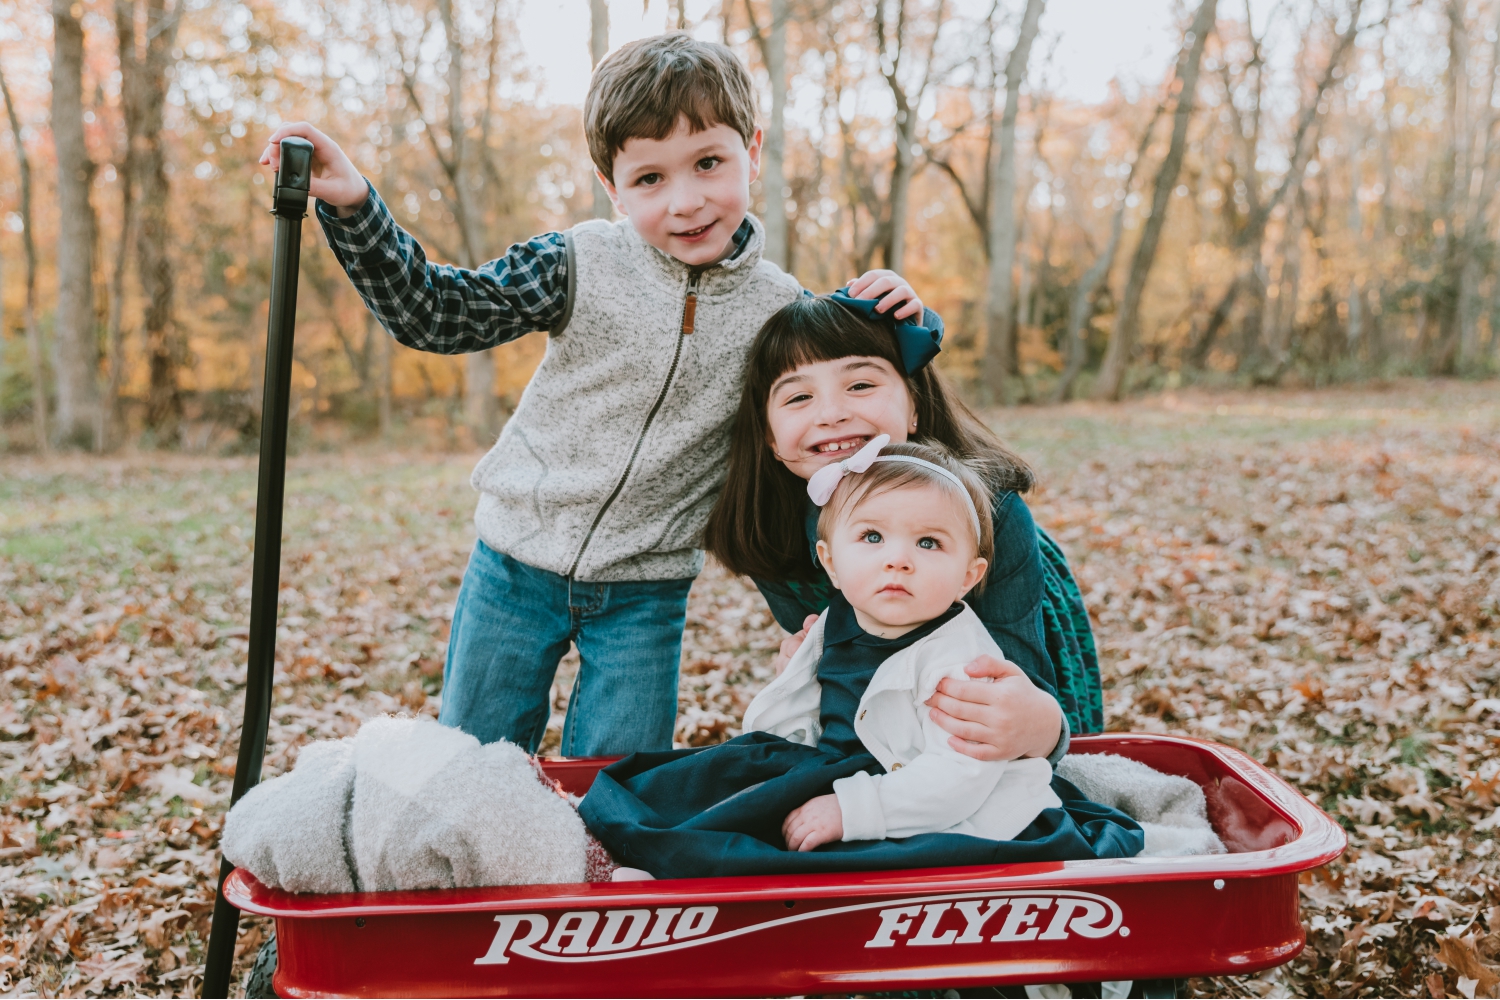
437,308
938,789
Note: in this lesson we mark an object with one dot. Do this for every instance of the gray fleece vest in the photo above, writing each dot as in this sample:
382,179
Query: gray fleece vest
610,464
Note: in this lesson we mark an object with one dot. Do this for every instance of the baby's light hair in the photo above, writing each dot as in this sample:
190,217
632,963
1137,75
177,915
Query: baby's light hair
883,477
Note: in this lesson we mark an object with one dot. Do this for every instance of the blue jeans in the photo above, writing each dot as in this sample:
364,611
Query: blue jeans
513,623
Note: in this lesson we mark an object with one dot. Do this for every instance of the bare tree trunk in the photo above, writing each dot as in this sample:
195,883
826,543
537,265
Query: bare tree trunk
773,153
1081,307
131,101
1476,188
1250,281
1000,308
1354,331
1446,290
1127,320
772,45
382,344
1281,319
891,42
144,90
28,244
111,428
901,173
75,351
481,414
598,48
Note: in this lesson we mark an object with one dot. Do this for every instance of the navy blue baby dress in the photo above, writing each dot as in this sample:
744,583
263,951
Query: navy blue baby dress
718,810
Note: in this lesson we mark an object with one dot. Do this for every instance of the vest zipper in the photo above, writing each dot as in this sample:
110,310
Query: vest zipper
689,310
690,304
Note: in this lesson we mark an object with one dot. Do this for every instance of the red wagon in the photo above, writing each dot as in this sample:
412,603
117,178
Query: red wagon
1142,919
1074,921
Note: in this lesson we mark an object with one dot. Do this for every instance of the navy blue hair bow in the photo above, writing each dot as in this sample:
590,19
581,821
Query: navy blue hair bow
918,343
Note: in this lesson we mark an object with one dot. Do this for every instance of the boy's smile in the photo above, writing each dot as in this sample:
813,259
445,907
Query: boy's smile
688,193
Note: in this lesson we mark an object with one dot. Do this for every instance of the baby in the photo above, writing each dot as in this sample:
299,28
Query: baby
841,767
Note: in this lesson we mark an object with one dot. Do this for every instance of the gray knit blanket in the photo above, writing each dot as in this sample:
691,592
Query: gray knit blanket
406,804
1171,810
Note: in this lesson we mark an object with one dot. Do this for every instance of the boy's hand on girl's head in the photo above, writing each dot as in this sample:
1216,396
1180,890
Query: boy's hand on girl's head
791,644
815,822
891,289
1000,715
335,180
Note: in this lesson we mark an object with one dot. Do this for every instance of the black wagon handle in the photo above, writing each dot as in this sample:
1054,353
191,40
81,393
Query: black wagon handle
290,207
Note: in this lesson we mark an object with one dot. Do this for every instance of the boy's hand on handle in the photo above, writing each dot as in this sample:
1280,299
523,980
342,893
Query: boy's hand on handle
815,822
1000,716
791,644
891,289
335,180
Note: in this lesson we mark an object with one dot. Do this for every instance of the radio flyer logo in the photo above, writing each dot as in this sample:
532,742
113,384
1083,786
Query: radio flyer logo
952,920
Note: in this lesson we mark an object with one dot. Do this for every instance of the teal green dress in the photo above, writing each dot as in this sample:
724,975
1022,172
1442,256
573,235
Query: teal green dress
1029,603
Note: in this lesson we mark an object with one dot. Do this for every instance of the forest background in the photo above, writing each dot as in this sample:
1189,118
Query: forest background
1305,196
1299,193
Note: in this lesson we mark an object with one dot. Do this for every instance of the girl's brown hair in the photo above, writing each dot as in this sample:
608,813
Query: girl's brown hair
884,477
756,526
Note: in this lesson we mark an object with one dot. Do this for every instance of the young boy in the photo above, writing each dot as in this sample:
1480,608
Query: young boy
593,500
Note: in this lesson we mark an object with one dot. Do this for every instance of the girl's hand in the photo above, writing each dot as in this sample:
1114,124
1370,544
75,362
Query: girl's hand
894,289
790,645
816,821
1003,720
335,180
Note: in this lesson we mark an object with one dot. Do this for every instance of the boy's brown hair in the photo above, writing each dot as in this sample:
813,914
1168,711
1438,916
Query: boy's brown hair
883,477
640,90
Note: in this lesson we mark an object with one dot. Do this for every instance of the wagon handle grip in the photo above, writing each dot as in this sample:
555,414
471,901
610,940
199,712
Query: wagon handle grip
290,207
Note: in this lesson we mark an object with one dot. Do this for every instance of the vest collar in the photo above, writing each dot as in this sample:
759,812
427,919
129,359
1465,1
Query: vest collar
716,279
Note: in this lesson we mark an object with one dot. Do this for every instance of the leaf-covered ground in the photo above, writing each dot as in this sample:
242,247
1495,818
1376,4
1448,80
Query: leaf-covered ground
1314,578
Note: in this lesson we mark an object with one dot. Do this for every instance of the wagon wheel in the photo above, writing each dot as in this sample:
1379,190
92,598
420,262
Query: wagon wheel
258,985
1141,989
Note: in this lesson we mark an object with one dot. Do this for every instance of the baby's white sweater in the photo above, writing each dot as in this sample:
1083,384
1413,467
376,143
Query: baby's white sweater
928,787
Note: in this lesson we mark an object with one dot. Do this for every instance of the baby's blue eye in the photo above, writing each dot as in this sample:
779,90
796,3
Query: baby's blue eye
928,543
873,537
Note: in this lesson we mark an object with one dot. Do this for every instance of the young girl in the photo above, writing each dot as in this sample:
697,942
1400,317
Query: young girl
845,769
825,376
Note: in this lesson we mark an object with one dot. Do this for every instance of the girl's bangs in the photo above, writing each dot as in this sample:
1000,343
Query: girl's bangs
812,330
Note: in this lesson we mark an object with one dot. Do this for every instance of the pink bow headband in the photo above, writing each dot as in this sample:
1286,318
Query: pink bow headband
821,485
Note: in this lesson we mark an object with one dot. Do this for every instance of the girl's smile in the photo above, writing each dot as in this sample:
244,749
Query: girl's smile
825,411
842,444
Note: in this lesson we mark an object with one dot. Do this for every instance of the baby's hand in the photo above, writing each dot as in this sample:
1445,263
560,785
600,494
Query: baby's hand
891,289
790,645
815,822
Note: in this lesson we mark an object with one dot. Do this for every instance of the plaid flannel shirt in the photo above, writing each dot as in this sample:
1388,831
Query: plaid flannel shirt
444,309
